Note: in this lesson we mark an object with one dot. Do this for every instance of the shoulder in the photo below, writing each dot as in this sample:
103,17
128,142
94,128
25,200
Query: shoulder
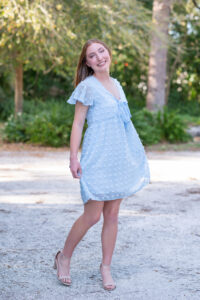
86,82
82,93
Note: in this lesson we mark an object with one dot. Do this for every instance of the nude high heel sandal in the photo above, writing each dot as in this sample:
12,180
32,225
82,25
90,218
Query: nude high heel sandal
56,266
109,285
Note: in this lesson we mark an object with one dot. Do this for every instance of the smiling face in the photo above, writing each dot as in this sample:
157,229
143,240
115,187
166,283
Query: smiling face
98,58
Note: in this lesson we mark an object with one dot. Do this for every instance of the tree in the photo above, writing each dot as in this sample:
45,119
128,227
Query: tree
48,35
184,56
33,34
158,55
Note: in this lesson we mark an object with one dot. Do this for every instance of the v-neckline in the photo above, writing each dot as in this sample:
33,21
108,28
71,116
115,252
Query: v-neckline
107,89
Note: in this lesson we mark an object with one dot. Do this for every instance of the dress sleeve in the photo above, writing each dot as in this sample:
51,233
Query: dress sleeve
83,94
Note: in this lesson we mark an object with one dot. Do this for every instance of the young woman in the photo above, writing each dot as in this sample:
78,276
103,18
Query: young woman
113,163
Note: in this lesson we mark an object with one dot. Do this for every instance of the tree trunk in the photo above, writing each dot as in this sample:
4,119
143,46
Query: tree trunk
171,72
18,89
158,55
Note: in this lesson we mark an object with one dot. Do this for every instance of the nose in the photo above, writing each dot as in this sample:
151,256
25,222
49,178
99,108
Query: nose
98,56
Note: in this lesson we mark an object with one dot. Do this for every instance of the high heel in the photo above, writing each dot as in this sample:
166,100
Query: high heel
60,278
110,285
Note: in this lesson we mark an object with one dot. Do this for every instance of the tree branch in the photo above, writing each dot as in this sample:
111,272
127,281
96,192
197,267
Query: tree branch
195,4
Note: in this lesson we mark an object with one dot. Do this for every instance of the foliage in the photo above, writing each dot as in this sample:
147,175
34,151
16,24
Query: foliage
146,126
172,126
50,126
184,55
46,35
184,106
6,108
15,128
49,123
58,29
34,33
161,126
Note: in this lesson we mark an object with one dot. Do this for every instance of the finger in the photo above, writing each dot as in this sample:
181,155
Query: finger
75,174
79,172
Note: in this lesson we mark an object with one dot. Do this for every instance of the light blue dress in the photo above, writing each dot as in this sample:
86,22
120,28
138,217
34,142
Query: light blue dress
113,160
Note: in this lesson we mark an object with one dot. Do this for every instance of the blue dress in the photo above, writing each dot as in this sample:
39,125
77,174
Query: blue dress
113,160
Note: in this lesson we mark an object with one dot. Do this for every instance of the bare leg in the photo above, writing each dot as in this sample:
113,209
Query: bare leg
91,215
108,237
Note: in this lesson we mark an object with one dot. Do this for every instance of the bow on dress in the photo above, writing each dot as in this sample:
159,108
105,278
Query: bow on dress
124,111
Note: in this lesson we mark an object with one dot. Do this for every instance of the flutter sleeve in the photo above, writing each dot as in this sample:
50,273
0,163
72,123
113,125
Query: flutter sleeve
83,94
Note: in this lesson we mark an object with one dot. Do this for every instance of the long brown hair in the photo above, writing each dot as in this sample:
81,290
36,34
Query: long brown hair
83,70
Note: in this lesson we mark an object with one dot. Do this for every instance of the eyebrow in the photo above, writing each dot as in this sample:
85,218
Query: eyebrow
94,52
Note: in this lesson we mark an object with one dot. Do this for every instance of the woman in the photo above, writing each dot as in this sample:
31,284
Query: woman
113,163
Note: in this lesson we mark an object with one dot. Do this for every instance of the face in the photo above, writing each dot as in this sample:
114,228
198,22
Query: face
98,58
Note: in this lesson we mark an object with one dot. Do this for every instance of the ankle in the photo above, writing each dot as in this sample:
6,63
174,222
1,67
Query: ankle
64,258
105,265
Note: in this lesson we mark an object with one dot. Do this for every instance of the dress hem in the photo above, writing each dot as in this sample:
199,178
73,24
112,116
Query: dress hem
124,195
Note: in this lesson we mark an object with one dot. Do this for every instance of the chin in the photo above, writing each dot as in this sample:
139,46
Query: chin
103,69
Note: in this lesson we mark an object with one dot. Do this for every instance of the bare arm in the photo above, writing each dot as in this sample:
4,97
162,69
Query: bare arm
75,138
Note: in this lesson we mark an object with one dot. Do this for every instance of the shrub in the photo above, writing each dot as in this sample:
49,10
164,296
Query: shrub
50,128
45,124
6,108
165,125
49,123
173,129
146,126
15,128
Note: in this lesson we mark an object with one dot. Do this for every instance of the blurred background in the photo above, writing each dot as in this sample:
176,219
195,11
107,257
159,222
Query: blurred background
156,57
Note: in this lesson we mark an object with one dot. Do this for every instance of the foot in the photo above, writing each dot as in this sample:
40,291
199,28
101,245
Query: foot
108,283
62,264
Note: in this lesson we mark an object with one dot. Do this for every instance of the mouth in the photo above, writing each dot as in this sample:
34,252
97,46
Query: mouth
102,63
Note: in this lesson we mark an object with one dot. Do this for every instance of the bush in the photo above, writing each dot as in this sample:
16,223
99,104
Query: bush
146,126
155,127
50,128
6,108
49,123
46,124
173,129
15,128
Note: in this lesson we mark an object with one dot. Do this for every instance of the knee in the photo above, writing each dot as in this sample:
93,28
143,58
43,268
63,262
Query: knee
92,220
111,215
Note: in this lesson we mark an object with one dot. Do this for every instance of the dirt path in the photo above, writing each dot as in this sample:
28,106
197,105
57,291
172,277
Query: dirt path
157,253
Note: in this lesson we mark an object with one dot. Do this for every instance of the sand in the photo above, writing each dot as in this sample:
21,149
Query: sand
157,255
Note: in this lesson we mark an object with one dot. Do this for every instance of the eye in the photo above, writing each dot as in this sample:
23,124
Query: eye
101,50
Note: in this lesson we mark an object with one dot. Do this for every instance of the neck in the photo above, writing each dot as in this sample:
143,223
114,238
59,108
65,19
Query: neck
104,76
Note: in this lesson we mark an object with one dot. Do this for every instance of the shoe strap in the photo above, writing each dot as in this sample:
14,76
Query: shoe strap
60,252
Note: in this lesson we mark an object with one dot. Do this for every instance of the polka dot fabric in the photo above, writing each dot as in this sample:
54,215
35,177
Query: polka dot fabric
113,160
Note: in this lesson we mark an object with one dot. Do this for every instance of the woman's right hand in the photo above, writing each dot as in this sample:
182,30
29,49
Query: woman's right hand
75,168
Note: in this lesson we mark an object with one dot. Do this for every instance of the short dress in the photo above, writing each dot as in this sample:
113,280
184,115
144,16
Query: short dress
113,160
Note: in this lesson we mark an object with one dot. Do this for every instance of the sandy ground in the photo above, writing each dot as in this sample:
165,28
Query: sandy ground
157,254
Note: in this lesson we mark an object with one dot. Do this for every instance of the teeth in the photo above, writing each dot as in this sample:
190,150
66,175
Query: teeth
102,63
